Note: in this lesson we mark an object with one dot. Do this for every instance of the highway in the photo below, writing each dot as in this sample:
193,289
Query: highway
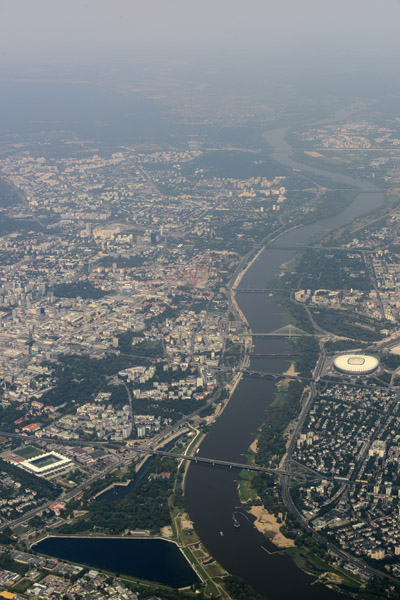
64,497
60,441
161,440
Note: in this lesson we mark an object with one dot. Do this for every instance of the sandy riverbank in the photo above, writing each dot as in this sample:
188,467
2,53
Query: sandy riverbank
238,280
291,372
254,446
268,524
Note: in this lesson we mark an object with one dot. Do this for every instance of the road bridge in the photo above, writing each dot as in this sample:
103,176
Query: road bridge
259,290
215,462
319,247
275,334
270,355
271,376
304,472
288,331
288,246
212,461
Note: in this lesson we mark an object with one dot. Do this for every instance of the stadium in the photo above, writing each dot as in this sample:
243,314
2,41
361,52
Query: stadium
356,364
46,464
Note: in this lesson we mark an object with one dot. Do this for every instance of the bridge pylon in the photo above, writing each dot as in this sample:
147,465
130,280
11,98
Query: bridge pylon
290,331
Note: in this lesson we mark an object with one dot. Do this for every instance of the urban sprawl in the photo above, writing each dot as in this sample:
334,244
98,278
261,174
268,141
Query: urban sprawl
120,330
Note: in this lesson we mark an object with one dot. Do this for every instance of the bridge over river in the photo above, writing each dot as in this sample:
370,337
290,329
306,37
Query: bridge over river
273,376
269,354
213,461
260,290
303,470
288,331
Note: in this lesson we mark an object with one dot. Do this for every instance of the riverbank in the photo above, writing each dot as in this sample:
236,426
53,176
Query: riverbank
238,279
182,530
248,341
269,525
291,372
192,448
211,495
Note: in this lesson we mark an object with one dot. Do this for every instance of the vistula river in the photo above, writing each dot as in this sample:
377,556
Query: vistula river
211,493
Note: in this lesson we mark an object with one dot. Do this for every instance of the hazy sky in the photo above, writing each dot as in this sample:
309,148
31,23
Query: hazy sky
60,29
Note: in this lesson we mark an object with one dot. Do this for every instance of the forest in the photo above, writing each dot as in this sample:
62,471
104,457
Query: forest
332,203
144,507
329,269
346,324
44,488
82,289
271,441
240,590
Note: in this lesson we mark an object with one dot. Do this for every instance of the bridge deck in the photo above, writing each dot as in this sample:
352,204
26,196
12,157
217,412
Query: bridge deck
214,462
306,471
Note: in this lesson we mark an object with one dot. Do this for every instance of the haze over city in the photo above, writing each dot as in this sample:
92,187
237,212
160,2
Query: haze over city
199,299
48,31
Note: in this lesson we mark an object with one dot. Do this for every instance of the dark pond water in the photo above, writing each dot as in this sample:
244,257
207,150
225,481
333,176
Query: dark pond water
152,559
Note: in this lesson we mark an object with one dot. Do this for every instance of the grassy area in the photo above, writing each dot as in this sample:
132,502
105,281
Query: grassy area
281,395
287,317
194,442
21,529
46,461
315,238
28,452
211,589
246,491
291,265
183,525
306,560
22,586
309,562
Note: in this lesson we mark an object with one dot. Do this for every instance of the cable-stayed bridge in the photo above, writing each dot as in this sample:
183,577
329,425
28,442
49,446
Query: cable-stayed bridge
288,331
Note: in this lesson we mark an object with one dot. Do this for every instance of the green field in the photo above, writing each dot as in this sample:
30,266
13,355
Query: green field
28,452
246,491
45,462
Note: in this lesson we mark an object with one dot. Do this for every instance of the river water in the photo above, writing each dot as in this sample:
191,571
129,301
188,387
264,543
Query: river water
211,493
